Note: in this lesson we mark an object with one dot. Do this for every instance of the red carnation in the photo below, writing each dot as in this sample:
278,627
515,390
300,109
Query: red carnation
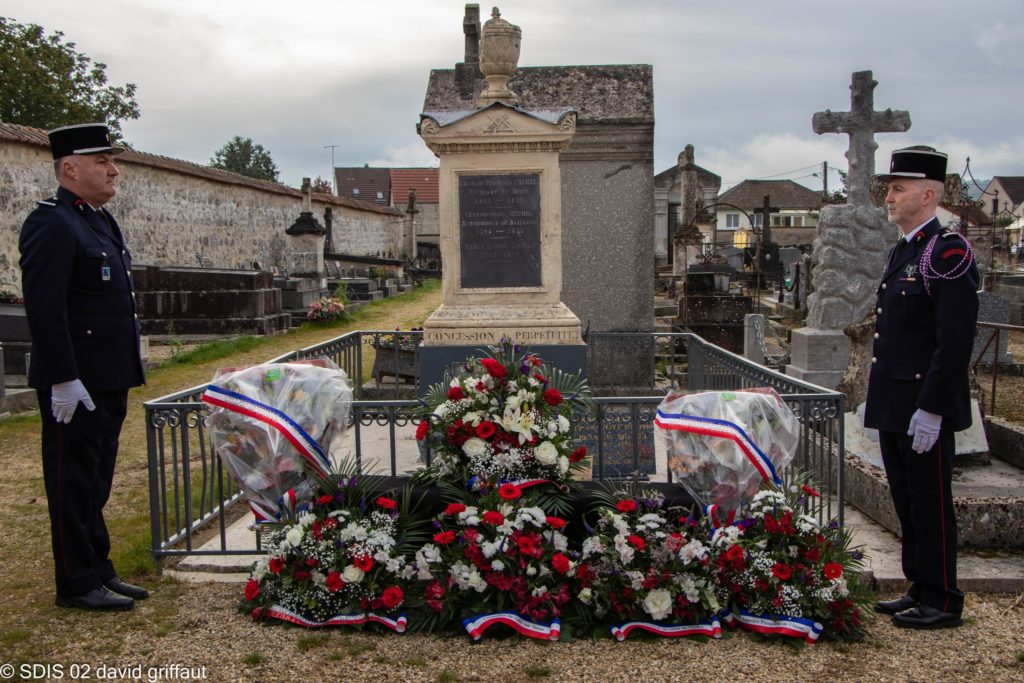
833,570
627,505
485,429
494,368
387,503
335,582
325,499
433,595
527,544
534,361
252,589
392,597
578,454
455,394
364,562
444,537
454,508
493,517
555,522
552,397
509,491
560,563
276,565
782,571
636,541
421,430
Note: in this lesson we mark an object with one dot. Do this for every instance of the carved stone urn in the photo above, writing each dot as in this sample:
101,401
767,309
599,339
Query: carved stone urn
499,58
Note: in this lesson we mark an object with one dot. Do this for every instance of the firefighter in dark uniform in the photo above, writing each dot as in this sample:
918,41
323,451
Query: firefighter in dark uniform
918,392
76,280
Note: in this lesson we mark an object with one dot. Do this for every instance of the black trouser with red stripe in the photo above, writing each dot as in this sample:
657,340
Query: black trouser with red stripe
921,485
78,469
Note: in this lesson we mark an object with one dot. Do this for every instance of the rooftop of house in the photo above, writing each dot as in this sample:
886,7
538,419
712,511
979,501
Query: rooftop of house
783,194
423,180
364,183
1013,186
37,136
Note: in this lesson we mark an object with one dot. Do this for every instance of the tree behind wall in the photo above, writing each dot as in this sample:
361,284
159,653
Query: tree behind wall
47,83
243,156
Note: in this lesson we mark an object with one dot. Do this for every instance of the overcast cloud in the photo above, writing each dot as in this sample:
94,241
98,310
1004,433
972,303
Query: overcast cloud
739,80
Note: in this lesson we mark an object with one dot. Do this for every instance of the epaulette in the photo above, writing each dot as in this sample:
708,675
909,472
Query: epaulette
49,201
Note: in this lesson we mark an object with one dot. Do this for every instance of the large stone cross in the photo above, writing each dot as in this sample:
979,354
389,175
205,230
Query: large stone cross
861,123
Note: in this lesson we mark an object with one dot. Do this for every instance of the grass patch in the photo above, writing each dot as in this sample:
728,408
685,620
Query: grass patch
414,661
215,350
254,658
1020,656
356,649
447,676
538,671
381,659
307,643
15,635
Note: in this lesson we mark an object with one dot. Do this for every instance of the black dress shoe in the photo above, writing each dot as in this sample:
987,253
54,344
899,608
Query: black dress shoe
926,617
97,599
904,602
126,589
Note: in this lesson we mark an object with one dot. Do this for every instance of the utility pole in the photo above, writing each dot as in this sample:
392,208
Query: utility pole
334,178
824,179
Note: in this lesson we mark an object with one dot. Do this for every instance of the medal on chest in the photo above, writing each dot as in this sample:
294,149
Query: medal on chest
910,273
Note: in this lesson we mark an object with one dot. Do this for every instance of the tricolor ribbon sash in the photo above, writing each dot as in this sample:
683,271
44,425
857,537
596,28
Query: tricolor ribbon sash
722,429
527,483
476,626
305,444
711,511
781,625
711,629
284,614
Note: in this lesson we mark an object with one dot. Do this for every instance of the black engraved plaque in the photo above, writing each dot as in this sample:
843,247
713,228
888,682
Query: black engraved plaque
499,230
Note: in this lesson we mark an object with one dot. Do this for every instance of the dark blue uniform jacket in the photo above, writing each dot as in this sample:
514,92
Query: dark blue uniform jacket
79,299
923,339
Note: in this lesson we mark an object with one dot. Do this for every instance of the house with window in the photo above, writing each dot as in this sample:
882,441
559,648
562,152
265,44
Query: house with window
1004,196
794,216
424,181
364,184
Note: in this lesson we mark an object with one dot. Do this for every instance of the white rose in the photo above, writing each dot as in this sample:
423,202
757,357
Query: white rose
563,424
546,453
585,596
474,448
658,603
294,536
352,574
531,571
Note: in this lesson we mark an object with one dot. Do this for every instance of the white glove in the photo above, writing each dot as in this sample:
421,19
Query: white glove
64,398
924,427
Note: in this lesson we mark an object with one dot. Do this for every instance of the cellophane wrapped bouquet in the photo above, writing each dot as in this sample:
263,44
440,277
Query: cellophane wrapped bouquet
273,423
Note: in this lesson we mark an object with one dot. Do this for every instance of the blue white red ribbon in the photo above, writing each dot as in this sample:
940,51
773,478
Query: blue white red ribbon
305,444
780,625
284,614
711,629
723,429
527,483
476,626
711,511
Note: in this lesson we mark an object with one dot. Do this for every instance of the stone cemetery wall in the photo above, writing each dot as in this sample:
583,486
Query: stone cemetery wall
172,210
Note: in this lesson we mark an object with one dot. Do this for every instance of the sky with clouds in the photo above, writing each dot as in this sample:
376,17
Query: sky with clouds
739,80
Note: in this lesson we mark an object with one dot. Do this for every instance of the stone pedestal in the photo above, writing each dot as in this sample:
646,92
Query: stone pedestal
501,227
819,356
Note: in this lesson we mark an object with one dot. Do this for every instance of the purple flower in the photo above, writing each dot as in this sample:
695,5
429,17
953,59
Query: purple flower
857,555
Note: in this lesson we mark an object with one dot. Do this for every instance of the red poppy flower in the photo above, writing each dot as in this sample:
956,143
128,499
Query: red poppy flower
454,508
636,541
555,522
252,590
833,570
364,562
276,565
421,430
387,503
455,394
781,571
509,491
493,517
560,563
444,537
334,582
485,429
392,597
578,454
627,505
552,397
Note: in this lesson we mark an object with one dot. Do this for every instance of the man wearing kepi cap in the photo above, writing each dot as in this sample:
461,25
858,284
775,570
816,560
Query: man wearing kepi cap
76,279
918,392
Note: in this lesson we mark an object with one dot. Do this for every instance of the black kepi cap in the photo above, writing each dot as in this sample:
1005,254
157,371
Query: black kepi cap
916,162
84,138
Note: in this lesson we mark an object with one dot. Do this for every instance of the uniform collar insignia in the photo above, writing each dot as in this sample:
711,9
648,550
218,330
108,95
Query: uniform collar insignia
910,270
